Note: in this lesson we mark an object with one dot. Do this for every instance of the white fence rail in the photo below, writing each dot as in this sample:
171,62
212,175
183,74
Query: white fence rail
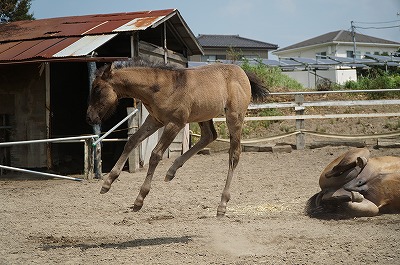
300,105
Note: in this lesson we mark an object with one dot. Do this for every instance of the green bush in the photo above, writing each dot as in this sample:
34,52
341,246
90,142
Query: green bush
351,84
272,76
379,81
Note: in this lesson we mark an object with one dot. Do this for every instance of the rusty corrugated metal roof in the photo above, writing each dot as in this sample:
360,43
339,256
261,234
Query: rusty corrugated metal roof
77,35
84,45
77,25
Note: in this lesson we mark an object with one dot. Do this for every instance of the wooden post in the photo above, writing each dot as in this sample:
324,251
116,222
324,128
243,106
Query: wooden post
300,138
97,163
133,125
48,114
97,168
88,159
165,43
135,45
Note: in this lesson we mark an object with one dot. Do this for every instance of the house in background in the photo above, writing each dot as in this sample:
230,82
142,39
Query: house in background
335,44
340,44
216,47
45,70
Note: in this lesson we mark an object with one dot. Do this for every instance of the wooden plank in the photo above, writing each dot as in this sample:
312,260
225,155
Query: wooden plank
333,103
273,105
352,143
332,92
300,139
351,103
320,116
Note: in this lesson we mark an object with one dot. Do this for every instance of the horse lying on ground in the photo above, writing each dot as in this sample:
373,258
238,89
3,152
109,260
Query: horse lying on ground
175,97
355,185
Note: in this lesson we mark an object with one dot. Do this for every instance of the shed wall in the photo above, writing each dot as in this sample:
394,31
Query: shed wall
22,88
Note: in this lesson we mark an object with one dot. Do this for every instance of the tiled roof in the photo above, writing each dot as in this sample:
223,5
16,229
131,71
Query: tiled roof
223,41
338,36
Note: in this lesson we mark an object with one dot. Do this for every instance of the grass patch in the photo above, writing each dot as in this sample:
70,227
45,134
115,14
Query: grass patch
272,76
381,81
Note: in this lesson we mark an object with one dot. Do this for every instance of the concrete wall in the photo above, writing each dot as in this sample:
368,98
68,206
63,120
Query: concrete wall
308,79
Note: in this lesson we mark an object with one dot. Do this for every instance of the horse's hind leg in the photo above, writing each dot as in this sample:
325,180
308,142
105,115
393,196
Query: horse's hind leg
171,130
149,126
208,135
234,122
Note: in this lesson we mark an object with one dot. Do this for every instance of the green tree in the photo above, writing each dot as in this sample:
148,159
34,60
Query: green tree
14,10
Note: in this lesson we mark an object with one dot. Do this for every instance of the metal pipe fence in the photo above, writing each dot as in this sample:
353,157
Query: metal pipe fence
88,154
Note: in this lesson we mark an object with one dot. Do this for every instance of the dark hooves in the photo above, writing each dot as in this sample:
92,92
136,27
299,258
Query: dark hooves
169,178
220,213
136,208
104,190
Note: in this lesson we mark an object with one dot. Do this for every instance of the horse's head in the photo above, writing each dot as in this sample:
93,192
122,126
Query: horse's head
102,99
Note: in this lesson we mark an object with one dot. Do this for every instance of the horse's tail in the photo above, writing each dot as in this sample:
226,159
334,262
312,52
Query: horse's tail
258,91
315,208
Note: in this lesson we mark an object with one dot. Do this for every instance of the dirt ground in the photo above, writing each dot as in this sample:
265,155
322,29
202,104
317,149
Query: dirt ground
64,222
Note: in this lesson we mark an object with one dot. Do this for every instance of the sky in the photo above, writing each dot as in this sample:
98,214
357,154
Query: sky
281,22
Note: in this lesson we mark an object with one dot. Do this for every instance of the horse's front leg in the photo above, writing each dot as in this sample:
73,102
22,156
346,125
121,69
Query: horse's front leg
171,130
149,126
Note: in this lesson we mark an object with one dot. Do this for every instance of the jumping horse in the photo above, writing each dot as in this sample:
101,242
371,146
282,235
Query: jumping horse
175,97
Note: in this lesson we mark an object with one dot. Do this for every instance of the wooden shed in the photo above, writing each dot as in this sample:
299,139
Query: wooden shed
45,70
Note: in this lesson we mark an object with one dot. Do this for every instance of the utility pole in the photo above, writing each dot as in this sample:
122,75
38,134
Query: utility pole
353,34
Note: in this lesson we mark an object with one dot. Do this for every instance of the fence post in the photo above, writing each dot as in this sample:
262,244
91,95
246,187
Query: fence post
133,125
96,151
96,128
299,109
88,159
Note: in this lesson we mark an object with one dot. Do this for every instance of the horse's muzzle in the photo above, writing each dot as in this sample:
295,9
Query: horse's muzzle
92,119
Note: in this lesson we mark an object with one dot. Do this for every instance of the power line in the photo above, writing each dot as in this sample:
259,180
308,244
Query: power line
387,27
396,25
381,22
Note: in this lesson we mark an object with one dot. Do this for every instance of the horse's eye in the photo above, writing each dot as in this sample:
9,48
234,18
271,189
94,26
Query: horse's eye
96,91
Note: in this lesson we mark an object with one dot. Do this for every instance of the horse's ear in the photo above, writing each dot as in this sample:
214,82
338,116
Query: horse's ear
108,72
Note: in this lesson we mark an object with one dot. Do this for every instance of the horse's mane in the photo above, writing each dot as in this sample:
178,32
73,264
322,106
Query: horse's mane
136,63
142,63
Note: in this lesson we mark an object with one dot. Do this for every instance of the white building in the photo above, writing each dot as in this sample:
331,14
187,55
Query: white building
338,44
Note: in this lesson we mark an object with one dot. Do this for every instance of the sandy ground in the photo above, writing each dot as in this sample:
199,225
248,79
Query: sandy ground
64,222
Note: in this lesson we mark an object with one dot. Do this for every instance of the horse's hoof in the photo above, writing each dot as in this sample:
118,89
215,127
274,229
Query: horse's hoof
169,177
104,190
220,214
136,208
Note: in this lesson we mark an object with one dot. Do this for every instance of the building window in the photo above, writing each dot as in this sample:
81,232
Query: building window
349,54
206,58
212,58
321,55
